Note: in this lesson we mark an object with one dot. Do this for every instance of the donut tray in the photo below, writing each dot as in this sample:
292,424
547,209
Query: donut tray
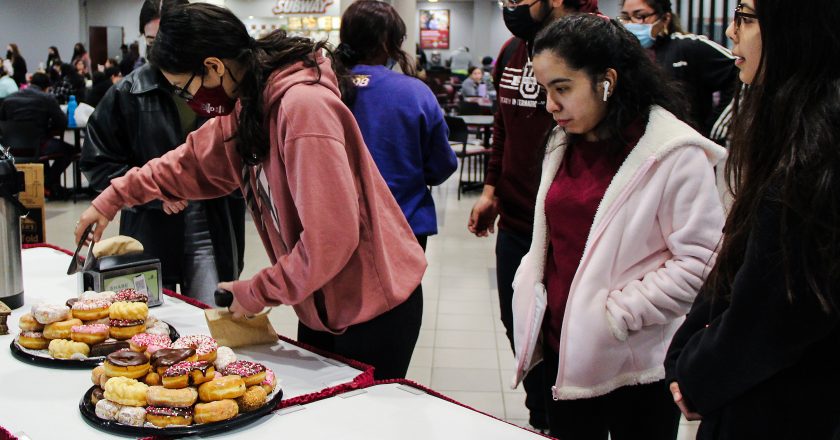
43,358
88,411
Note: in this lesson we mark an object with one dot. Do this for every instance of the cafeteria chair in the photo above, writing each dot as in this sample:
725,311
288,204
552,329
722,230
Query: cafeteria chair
23,139
471,153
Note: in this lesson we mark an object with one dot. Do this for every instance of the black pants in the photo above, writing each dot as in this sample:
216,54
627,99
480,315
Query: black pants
53,172
385,342
510,248
628,413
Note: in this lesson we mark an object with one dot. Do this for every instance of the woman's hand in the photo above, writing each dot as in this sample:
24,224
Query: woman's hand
91,216
483,216
174,207
235,308
678,399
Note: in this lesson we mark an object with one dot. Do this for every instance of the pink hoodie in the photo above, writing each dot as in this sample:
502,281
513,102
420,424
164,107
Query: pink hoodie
341,233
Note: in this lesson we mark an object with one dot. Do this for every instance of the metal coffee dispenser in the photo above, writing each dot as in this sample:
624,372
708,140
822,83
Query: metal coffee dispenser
11,272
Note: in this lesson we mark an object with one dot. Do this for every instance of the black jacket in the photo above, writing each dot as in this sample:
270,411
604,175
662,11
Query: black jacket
33,104
136,121
759,366
702,67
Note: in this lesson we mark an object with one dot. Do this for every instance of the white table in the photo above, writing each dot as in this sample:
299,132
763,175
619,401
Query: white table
42,402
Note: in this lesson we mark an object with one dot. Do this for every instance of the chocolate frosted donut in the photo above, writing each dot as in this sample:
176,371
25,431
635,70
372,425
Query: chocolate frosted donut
107,347
96,395
71,301
169,412
167,357
127,358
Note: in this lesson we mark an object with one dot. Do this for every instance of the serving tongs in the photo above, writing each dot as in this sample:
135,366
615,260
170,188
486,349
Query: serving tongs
76,263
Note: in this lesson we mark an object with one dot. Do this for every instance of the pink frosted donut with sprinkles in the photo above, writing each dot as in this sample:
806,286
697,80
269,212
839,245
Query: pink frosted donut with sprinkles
270,381
131,295
143,342
205,347
252,373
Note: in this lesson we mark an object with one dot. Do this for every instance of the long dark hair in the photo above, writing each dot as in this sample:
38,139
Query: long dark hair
786,149
369,30
190,34
78,51
594,44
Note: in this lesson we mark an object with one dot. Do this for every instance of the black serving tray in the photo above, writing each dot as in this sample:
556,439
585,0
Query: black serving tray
42,357
88,411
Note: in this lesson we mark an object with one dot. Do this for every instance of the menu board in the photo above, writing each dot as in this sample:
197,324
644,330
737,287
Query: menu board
434,28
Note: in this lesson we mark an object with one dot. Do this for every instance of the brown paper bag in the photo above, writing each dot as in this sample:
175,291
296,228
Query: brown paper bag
238,332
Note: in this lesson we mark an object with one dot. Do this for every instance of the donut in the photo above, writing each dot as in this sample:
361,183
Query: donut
105,321
106,409
33,340
123,329
250,372
128,310
158,328
164,358
183,374
131,415
96,374
270,381
90,309
96,395
152,378
60,329
225,387
126,391
107,347
141,341
224,356
131,295
205,346
89,334
70,302
126,363
65,349
253,398
215,411
28,323
180,398
48,313
105,295
162,416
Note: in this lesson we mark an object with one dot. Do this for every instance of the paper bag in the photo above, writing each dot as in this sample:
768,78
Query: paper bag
238,332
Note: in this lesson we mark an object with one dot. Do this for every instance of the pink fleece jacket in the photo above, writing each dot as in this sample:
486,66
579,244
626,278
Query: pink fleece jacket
343,242
651,244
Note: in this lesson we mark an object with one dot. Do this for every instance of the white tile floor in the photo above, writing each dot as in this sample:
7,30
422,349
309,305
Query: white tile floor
462,350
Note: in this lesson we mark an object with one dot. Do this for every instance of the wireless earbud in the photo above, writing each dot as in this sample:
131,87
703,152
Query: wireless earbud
606,90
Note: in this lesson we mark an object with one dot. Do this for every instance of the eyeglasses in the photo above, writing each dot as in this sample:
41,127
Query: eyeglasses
743,17
182,92
637,18
510,5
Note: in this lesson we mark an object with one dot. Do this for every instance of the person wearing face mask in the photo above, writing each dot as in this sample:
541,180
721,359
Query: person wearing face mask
140,119
18,64
407,137
704,67
342,253
519,131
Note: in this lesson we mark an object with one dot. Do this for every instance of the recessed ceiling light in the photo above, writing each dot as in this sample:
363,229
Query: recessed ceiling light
250,17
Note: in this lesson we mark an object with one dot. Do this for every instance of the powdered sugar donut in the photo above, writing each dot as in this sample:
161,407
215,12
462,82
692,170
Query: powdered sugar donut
224,356
158,328
105,409
205,346
49,313
131,415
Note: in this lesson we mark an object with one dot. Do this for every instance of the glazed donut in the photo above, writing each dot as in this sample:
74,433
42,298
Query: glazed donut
107,347
96,395
270,381
33,340
225,387
65,349
128,310
131,415
152,378
183,374
126,391
96,374
162,417
106,320
251,373
164,358
142,341
89,334
124,328
224,356
28,323
126,363
205,346
215,411
158,328
60,329
131,295
105,409
180,398
91,309
253,398
49,313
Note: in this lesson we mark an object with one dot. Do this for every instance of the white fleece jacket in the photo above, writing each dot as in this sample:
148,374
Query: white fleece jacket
650,247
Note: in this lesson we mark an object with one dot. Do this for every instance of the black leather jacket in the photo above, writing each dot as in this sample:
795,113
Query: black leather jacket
136,121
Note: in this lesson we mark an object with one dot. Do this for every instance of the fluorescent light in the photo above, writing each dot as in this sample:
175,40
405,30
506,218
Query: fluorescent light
250,17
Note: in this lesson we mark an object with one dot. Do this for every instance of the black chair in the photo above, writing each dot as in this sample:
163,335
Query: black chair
472,155
24,139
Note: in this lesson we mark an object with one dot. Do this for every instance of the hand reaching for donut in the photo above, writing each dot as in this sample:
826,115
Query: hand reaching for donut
91,216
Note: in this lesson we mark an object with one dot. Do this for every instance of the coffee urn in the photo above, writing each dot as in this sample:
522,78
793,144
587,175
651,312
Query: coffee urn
11,273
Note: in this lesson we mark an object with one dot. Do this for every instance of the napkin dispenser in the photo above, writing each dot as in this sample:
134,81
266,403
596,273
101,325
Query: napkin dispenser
138,271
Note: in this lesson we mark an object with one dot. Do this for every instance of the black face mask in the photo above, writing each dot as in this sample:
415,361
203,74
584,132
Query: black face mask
520,23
